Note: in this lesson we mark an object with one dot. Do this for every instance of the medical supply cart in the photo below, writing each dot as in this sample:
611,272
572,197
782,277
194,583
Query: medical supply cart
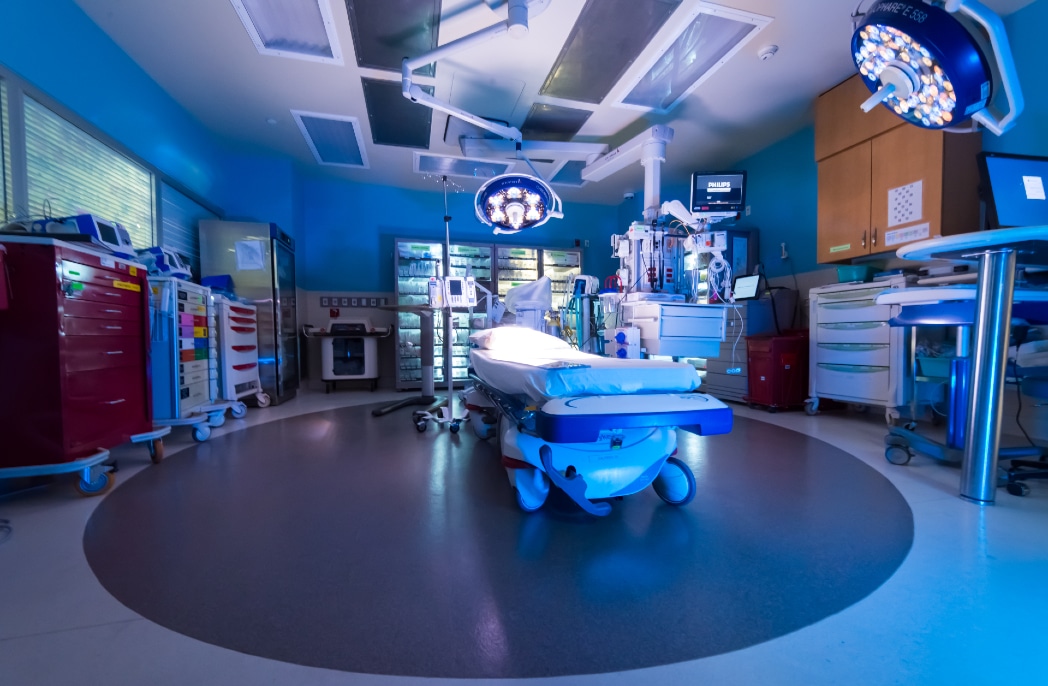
236,331
183,360
778,370
855,355
348,351
74,341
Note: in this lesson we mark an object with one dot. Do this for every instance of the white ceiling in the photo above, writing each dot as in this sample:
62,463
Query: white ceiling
200,53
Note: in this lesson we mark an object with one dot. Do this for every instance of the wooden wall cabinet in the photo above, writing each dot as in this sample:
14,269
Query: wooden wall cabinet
900,185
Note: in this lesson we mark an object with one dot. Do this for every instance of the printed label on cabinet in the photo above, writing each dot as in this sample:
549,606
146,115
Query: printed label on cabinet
910,233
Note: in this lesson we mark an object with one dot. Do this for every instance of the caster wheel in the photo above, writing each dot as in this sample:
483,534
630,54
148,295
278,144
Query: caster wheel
910,426
263,399
752,406
811,408
675,483
772,410
156,451
216,420
420,426
1018,488
524,505
238,411
453,427
201,433
897,454
102,483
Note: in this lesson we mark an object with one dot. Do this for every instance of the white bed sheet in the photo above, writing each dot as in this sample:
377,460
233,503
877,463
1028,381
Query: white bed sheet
542,375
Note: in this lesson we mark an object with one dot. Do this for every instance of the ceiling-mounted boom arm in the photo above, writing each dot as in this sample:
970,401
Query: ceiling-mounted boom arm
515,24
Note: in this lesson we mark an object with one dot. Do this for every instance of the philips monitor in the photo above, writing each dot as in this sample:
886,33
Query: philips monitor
718,192
746,287
1013,187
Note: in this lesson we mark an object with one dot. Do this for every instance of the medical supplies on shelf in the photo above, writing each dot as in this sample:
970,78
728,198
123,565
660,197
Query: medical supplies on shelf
855,355
184,356
74,341
236,328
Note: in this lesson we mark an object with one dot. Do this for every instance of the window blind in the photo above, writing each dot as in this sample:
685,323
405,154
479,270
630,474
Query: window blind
179,217
7,202
70,172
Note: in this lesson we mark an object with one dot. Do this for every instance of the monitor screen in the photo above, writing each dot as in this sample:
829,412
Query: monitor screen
746,287
107,233
1014,189
455,286
718,191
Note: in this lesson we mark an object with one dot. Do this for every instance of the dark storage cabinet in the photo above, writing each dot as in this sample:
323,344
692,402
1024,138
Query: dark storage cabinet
778,370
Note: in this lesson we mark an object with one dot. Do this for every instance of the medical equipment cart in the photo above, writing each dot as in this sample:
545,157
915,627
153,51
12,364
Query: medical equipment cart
73,348
183,360
778,370
855,355
236,327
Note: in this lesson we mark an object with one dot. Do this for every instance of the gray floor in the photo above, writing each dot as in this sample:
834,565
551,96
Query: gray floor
350,542
964,606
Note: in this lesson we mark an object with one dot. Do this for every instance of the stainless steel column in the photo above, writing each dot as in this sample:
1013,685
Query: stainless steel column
993,302
426,342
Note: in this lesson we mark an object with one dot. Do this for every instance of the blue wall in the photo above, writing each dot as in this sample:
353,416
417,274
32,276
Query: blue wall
350,229
1026,34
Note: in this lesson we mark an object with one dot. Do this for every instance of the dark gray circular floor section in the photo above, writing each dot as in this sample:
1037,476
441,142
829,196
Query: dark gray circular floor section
345,541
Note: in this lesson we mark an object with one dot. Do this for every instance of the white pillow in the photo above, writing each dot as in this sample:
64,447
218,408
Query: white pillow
515,337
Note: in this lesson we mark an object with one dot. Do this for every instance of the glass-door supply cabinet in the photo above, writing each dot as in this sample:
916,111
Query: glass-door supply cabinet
416,262
561,266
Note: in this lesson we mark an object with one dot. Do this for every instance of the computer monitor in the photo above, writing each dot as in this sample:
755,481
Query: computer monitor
747,287
1014,189
719,192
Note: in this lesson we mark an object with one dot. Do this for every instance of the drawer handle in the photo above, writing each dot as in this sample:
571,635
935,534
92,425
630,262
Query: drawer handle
111,294
242,367
243,348
241,310
115,328
242,320
114,352
851,305
114,402
851,326
242,329
112,311
853,368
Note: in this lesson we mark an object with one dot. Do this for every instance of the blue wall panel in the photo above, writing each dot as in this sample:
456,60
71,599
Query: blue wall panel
349,231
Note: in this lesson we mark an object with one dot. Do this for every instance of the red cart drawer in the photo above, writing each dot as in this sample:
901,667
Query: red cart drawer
75,307
81,326
86,353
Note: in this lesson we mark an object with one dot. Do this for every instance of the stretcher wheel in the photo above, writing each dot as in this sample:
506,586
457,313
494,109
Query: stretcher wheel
263,399
897,454
1018,488
525,506
238,411
102,483
201,432
675,483
156,450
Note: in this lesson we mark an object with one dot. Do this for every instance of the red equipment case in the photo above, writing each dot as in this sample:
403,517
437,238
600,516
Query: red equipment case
778,370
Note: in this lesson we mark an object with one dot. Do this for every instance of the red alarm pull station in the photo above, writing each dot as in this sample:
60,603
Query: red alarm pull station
334,312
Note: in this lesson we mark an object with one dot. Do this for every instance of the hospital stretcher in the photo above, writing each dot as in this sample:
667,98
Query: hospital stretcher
595,427
955,306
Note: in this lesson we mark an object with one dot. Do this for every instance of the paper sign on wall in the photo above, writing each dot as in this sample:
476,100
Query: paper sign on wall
1034,187
251,255
906,204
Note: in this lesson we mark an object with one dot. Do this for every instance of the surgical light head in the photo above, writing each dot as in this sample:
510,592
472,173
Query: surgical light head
931,66
514,202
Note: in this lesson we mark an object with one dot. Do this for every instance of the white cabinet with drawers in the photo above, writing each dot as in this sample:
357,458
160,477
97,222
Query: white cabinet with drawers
856,355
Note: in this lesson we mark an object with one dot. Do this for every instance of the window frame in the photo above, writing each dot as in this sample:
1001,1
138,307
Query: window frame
17,90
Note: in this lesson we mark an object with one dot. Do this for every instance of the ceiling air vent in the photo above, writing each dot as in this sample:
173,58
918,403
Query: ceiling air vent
446,165
333,139
303,30
709,36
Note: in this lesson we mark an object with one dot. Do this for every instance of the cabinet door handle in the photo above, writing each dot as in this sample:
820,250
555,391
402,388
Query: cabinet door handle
875,235
864,239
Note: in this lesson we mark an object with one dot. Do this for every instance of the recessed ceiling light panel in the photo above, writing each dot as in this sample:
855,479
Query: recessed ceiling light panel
302,30
708,36
334,140
460,166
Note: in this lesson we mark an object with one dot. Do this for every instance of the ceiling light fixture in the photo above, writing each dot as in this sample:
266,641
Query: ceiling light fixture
302,30
514,202
938,67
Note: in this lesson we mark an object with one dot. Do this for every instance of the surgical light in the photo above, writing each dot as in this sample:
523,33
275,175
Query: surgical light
514,202
932,66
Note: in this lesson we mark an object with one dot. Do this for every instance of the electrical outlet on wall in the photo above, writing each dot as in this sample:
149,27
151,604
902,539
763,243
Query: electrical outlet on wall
747,210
